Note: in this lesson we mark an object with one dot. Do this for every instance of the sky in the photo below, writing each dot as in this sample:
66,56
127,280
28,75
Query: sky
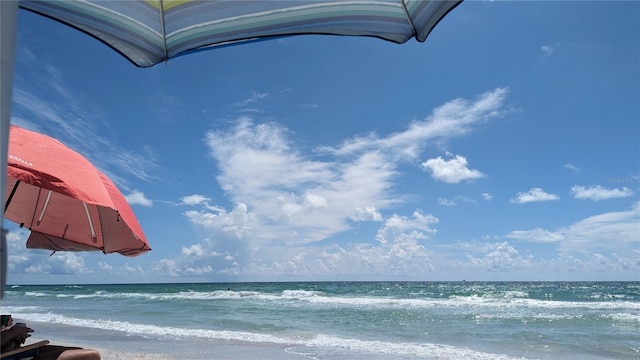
504,148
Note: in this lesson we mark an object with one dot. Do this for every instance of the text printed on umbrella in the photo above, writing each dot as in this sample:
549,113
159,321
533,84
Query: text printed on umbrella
15,158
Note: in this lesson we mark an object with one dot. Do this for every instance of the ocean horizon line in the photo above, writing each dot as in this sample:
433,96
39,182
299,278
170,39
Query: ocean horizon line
330,281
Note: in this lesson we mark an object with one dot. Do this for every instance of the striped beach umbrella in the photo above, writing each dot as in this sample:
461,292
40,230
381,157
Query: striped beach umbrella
149,32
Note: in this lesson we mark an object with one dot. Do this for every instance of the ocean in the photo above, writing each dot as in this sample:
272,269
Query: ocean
342,320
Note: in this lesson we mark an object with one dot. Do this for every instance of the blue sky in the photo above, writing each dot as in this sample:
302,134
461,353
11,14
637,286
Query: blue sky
505,147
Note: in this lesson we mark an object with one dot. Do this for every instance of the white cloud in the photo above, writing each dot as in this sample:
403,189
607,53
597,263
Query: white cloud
534,195
131,269
104,266
315,201
194,199
202,270
369,213
398,252
201,200
451,171
447,202
613,230
61,263
616,231
597,193
536,235
239,222
454,201
354,261
400,228
137,198
572,167
487,196
254,98
500,257
167,267
454,118
547,50
293,199
194,250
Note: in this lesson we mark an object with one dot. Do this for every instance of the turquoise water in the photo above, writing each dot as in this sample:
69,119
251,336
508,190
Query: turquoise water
356,320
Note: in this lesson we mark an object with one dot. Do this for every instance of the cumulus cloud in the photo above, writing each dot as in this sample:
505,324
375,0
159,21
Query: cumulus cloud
201,270
61,263
291,195
104,266
487,196
400,228
533,195
137,198
239,222
500,257
284,196
509,259
198,260
367,214
354,261
451,171
398,253
597,193
196,250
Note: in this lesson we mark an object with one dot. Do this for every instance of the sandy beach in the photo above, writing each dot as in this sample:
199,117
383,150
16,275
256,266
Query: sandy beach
154,349
120,345
107,353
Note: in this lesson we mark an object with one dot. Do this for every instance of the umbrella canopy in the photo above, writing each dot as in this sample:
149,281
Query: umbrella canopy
152,31
66,202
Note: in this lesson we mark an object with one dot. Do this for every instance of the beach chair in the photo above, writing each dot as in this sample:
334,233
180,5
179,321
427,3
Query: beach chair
30,351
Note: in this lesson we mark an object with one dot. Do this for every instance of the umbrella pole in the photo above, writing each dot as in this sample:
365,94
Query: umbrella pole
8,26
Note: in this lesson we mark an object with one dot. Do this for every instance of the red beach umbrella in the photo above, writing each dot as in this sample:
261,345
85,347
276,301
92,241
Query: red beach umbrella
66,202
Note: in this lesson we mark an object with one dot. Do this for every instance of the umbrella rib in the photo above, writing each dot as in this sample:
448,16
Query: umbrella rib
93,230
406,12
164,32
35,209
47,237
44,208
13,191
